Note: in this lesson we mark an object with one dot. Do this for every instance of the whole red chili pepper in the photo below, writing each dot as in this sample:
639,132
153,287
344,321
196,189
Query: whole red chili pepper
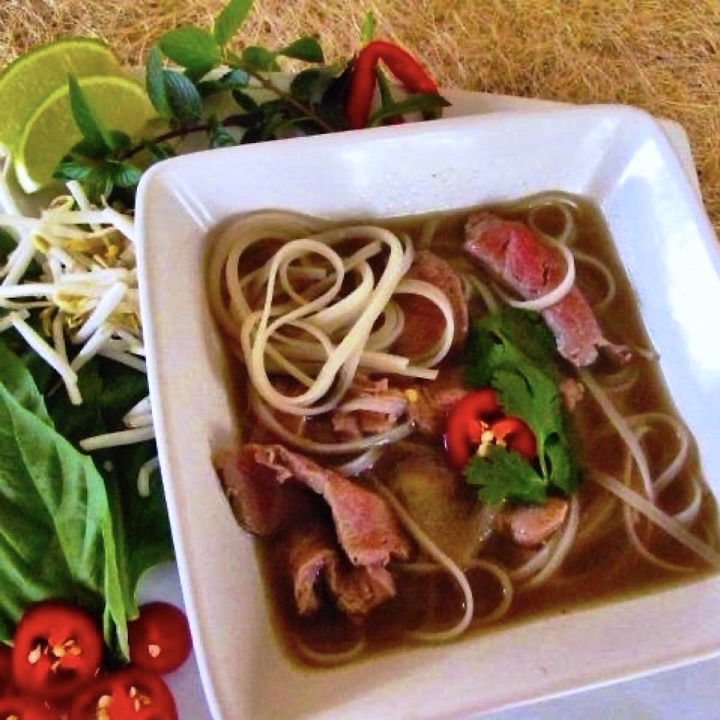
406,69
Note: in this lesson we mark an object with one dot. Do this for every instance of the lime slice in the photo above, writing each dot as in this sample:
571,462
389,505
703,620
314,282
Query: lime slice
29,79
118,102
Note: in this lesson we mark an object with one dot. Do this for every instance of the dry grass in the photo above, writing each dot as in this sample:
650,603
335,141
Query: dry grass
661,55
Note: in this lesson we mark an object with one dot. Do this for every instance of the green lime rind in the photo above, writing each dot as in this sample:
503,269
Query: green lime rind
27,81
119,103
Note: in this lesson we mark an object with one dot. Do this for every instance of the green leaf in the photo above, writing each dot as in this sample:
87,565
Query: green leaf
142,529
232,80
7,244
160,151
230,19
259,59
245,101
19,382
184,98
309,84
306,49
418,102
126,175
367,29
56,530
220,137
513,351
192,48
98,141
155,83
505,475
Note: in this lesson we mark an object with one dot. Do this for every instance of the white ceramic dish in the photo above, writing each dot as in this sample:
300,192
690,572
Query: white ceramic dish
619,157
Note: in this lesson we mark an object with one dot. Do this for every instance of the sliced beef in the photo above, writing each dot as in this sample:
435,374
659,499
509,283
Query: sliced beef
261,505
366,527
532,525
316,562
514,256
358,590
424,323
311,548
368,408
431,401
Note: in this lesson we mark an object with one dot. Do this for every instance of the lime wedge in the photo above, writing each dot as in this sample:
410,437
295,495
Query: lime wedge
29,79
118,102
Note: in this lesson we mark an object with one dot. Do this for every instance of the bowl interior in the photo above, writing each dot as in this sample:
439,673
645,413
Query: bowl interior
617,157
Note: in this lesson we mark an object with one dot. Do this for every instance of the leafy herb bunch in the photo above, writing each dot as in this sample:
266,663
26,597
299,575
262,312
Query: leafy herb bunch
229,97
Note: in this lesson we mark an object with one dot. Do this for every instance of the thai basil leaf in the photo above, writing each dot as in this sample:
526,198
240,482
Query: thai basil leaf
56,529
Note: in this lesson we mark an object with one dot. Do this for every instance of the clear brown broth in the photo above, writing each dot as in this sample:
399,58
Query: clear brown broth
606,571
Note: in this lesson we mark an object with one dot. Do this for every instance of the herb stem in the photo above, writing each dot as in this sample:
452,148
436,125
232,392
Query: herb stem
180,132
288,98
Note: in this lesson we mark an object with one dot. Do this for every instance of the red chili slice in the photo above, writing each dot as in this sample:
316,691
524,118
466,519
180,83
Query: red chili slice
466,421
516,435
57,648
7,687
160,638
477,413
23,708
129,694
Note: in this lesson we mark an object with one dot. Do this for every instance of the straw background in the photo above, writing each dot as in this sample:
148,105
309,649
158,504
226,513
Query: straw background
660,55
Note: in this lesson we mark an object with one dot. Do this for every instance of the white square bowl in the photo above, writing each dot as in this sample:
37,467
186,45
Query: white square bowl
619,158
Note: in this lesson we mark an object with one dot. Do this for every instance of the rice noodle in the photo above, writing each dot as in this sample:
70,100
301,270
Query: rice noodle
340,319
623,429
265,416
603,269
666,522
560,551
329,659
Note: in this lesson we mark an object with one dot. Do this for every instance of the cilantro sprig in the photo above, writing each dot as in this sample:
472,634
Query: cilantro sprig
514,352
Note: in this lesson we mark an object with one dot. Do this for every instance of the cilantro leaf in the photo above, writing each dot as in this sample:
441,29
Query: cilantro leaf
505,475
514,352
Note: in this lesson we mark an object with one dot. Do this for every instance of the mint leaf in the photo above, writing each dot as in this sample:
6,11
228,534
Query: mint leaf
232,80
155,83
98,141
184,98
306,49
231,17
192,48
259,59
